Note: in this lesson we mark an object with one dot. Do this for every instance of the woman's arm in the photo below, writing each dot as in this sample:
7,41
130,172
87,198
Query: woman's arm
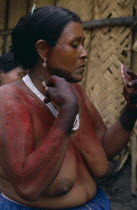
31,171
115,138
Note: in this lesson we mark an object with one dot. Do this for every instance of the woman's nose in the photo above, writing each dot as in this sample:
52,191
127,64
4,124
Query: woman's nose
83,53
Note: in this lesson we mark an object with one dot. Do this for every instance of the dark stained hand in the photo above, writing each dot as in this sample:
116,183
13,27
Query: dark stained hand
130,86
60,92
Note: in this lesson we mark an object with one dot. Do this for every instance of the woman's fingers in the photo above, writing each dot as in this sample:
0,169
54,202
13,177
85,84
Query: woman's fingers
126,78
132,83
47,96
132,74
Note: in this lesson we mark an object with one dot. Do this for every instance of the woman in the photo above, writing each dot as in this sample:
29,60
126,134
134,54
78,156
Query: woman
53,142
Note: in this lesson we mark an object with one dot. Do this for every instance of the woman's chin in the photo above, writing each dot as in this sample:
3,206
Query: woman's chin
75,79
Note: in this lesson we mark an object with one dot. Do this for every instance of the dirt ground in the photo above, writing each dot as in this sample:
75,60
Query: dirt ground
118,189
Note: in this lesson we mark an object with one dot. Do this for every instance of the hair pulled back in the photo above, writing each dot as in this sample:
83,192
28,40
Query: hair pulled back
46,23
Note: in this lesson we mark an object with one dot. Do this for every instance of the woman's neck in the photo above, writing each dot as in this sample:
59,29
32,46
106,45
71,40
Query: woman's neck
37,80
37,76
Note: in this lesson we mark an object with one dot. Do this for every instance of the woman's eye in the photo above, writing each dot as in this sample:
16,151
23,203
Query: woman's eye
74,45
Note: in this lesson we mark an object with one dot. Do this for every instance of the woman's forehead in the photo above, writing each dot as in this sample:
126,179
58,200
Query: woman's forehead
73,30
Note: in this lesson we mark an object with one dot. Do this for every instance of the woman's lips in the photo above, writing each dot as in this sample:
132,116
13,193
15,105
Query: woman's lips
81,68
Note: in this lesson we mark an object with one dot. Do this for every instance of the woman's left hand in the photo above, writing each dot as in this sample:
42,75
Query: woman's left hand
130,86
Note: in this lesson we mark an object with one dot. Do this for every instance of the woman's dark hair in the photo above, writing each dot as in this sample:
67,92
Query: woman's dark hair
7,62
45,23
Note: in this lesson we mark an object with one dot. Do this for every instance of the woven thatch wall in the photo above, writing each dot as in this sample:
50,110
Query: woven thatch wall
107,48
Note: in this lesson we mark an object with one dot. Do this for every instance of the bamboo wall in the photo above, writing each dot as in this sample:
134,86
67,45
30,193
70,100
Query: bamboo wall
107,48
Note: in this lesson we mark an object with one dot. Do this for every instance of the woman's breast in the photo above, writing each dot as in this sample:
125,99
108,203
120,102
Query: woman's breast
67,175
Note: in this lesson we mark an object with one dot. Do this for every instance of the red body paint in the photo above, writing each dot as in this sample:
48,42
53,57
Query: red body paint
33,144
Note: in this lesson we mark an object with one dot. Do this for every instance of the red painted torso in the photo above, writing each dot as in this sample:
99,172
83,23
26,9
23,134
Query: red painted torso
84,157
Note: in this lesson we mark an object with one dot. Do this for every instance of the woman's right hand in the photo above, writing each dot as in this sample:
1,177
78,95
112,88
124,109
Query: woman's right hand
60,92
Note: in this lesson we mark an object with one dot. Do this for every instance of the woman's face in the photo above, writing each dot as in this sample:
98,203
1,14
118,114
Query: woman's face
67,58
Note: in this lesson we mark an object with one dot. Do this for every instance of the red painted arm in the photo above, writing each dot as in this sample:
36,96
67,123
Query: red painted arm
112,139
91,133
30,170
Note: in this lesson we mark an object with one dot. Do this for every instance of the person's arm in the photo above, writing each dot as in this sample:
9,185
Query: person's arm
117,136
90,134
31,170
122,129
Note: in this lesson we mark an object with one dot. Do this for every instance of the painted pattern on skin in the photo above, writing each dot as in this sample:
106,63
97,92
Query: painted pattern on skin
23,163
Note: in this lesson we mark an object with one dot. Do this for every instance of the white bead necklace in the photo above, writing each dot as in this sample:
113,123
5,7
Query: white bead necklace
26,79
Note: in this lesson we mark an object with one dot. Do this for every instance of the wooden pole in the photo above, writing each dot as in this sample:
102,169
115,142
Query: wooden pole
111,22
90,25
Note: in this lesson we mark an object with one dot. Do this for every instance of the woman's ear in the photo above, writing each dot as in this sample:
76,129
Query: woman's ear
41,48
